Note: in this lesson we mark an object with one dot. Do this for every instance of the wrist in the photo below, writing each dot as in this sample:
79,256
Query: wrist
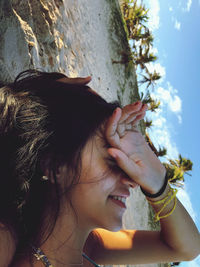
163,195
159,193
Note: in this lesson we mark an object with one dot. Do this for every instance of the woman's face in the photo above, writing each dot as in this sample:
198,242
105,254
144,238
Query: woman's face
100,179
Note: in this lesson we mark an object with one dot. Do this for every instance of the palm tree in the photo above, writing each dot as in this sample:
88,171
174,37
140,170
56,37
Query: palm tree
159,153
147,99
126,57
154,105
177,168
148,40
150,78
162,152
134,15
182,163
148,123
148,139
144,57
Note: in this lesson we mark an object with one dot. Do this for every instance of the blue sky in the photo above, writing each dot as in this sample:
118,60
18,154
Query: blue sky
176,30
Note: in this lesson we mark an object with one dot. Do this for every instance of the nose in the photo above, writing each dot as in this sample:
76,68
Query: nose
129,182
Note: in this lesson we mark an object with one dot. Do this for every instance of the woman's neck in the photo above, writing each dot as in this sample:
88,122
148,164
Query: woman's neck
64,247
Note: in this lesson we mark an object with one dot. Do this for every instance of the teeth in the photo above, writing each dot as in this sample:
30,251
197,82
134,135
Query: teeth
122,199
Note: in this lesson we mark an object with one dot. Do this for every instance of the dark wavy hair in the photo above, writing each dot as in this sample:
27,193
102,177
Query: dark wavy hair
42,120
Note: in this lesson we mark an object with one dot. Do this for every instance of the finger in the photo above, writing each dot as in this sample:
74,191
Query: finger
134,115
136,121
125,163
111,128
144,108
81,80
77,80
129,110
131,118
121,129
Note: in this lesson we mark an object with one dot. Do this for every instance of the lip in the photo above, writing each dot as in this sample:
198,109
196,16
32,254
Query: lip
118,194
119,203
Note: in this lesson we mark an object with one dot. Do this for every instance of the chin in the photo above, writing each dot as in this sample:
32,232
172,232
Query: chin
113,226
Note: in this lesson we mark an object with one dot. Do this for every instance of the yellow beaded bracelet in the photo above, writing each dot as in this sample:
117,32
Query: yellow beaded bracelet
157,217
166,200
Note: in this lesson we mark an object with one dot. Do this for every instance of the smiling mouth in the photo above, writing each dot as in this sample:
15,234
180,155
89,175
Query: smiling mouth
120,201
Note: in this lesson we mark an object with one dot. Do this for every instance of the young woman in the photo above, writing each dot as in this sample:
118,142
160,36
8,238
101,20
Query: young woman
68,161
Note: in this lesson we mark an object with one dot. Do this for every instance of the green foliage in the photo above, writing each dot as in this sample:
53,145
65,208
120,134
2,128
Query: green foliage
152,103
148,123
150,78
176,170
162,152
146,98
159,152
144,58
136,16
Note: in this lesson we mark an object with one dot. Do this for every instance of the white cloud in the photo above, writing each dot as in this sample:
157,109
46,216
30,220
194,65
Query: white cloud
160,134
169,98
188,6
159,122
170,9
162,138
177,25
154,18
163,94
179,119
189,3
175,104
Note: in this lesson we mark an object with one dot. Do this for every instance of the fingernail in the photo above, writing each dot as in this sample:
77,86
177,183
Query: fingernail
115,111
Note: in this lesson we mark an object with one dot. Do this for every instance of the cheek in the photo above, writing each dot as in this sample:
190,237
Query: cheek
93,192
99,188
96,171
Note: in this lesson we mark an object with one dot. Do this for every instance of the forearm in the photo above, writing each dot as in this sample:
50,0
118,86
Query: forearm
178,230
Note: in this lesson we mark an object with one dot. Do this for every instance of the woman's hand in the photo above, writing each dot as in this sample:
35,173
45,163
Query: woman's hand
77,80
130,150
